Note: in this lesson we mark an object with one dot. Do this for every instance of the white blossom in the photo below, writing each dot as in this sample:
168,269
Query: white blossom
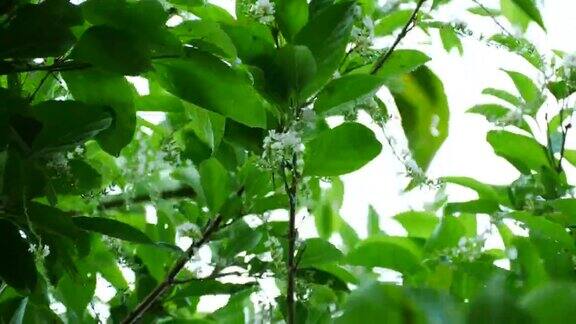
363,36
263,11
280,147
41,251
569,63
390,5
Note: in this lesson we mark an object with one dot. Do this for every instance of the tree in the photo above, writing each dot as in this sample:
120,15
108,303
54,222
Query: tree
91,192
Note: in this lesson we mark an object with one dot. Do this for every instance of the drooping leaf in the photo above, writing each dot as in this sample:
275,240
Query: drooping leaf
41,30
317,251
326,35
113,50
215,183
396,253
531,10
551,303
67,124
344,93
366,302
340,150
113,228
17,268
401,62
423,107
291,16
418,224
110,90
521,151
202,79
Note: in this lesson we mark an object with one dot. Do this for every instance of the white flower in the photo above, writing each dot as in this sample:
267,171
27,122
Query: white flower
308,115
569,63
390,5
279,147
512,253
79,150
363,36
263,11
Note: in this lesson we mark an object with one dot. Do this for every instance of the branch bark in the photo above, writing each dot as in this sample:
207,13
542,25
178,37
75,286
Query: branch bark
291,191
384,57
184,192
163,287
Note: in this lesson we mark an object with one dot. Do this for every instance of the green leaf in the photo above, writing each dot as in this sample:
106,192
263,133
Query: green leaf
527,89
552,303
521,151
391,22
396,253
373,222
41,30
144,20
297,68
77,291
418,224
340,150
401,62
450,39
113,228
484,191
204,80
346,92
317,251
423,107
326,35
114,91
113,50
291,16
206,35
215,184
522,47
201,287
486,12
366,303
493,112
17,268
446,234
67,124
503,95
18,317
531,10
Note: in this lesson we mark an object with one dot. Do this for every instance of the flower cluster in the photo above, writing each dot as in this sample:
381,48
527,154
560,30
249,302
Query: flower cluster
390,5
263,11
280,147
363,36
469,249
513,117
569,64
40,251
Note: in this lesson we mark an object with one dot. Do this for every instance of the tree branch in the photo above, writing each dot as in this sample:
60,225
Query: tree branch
409,25
6,68
184,192
155,294
292,235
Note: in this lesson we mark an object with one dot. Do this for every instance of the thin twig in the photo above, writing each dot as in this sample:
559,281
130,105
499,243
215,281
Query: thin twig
409,25
31,97
184,192
215,275
63,66
493,18
161,289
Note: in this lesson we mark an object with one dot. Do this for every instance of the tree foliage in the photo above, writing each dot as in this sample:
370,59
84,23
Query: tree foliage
259,118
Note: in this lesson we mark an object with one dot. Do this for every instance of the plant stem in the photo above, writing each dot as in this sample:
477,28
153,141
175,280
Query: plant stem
155,294
409,25
291,191
184,192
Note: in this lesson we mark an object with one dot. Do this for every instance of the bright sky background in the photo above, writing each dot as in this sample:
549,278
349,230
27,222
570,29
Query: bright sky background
465,152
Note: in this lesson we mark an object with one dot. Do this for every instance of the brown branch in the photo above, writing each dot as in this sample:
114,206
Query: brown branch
7,69
409,25
161,289
291,191
184,192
